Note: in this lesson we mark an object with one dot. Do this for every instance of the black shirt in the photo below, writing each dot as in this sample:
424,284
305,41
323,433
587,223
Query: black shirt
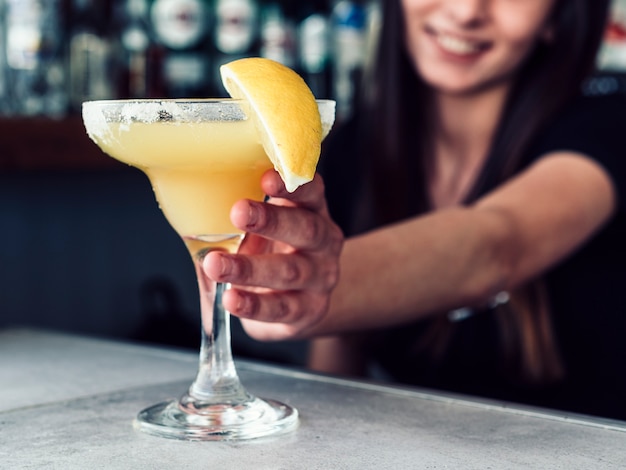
587,291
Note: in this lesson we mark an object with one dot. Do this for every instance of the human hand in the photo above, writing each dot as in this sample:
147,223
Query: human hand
288,264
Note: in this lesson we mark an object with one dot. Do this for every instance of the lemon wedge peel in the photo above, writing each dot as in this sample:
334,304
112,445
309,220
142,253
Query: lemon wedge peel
285,113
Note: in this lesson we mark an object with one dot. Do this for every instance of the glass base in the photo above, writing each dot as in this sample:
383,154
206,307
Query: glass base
252,419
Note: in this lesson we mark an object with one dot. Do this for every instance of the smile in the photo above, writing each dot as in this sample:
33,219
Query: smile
457,45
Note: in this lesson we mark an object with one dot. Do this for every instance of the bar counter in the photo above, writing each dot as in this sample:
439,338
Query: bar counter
68,402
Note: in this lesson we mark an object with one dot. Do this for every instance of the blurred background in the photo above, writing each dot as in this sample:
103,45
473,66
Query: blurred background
83,245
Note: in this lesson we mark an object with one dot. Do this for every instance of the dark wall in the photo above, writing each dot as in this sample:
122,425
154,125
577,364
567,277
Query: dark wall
90,252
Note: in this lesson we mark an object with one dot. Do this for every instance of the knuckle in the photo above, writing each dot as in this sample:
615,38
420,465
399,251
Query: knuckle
282,308
248,305
264,217
271,217
337,238
242,268
331,277
333,240
310,228
292,273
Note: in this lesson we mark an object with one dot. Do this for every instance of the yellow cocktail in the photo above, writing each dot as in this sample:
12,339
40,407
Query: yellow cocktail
201,156
193,167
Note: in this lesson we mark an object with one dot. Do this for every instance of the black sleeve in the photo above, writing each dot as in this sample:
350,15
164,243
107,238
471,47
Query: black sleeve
593,126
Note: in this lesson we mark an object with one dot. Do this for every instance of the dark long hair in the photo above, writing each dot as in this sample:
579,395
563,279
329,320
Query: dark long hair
395,130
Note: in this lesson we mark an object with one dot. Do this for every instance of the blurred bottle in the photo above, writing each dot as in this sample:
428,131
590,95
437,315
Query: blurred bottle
612,55
5,107
236,34
35,57
182,27
89,53
137,60
314,48
349,41
278,34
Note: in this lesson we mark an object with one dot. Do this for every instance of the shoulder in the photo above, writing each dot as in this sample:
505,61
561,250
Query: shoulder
593,126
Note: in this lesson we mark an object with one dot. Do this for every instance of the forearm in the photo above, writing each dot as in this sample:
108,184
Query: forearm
463,256
441,261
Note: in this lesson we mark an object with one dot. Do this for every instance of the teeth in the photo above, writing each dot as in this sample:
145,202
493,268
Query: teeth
456,45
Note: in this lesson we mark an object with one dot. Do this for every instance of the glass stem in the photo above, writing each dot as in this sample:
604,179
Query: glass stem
217,381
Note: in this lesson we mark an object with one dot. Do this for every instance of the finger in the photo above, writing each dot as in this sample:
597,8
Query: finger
298,309
295,226
264,331
275,271
253,244
309,195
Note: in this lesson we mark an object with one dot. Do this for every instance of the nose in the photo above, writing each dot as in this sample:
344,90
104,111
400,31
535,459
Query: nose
468,13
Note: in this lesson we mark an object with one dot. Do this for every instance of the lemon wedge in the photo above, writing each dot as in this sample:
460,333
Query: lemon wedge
285,112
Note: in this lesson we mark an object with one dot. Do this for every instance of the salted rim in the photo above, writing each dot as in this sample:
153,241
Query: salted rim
98,114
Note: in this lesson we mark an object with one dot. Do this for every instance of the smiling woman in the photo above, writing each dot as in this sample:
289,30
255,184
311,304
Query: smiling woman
474,182
465,98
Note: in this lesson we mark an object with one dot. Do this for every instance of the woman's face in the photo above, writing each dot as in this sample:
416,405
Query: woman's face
467,46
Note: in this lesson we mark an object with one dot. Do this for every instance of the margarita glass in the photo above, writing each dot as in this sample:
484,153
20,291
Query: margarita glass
201,156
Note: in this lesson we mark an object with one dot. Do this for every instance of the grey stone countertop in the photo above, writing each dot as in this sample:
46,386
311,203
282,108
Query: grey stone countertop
67,402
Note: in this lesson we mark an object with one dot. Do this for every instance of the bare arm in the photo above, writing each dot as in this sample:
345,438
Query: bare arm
506,238
453,257
463,255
